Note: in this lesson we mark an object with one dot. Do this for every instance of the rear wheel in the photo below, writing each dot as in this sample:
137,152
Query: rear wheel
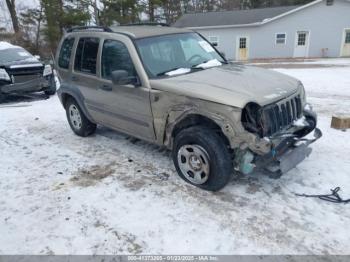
202,158
77,120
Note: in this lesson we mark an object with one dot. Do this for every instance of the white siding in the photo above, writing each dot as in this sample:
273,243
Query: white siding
325,23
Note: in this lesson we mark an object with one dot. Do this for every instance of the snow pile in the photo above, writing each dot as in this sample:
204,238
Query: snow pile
179,71
300,122
6,45
209,64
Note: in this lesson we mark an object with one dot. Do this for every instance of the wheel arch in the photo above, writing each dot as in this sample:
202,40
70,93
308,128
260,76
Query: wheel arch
66,92
190,119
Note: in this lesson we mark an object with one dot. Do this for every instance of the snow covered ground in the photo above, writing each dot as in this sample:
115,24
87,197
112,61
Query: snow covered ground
325,61
110,194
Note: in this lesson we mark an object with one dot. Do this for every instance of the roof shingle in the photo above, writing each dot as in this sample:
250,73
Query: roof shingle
236,17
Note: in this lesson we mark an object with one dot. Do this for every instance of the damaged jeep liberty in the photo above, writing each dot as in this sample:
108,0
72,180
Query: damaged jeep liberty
171,87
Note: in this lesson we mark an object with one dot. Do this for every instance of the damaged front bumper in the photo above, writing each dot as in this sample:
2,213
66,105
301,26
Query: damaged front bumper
287,154
33,85
283,151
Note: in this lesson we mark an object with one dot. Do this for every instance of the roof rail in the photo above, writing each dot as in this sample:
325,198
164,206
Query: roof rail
147,23
82,28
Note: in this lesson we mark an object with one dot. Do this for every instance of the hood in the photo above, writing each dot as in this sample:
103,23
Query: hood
33,62
16,56
232,84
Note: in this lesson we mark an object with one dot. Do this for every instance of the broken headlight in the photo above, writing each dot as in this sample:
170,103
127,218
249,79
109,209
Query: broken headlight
252,118
47,70
4,75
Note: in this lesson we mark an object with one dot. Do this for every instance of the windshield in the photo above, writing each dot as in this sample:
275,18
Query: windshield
177,54
15,54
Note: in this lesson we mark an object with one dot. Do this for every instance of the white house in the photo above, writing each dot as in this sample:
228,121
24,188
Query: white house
318,29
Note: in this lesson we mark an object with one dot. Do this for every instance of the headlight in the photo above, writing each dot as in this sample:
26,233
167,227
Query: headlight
47,70
4,75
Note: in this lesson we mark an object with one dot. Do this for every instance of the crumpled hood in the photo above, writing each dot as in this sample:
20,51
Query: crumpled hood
232,84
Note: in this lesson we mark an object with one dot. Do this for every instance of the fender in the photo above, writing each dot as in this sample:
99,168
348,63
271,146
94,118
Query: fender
74,92
180,112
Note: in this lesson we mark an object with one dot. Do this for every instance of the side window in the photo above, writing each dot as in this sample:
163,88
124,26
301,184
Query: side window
115,56
65,53
86,55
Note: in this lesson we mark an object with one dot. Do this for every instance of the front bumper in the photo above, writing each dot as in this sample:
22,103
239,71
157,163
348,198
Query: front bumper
283,151
287,155
33,85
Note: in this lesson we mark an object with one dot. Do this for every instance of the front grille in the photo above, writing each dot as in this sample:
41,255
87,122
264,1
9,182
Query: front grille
21,75
279,116
24,78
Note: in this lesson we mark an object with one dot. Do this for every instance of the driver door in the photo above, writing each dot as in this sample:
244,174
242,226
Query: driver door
123,107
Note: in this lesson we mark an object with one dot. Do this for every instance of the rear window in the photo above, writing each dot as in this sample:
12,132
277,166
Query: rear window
86,55
15,54
65,53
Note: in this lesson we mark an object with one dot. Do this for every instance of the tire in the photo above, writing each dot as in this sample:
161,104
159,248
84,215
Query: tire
78,122
210,160
52,88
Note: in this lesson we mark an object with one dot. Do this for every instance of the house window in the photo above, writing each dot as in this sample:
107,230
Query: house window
301,39
214,40
281,38
242,43
347,38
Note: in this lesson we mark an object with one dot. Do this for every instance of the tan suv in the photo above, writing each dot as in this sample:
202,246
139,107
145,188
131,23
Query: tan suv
172,87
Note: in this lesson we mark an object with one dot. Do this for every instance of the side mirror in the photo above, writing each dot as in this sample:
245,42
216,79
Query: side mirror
37,57
121,77
214,44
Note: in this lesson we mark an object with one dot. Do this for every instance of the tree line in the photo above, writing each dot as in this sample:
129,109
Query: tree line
39,29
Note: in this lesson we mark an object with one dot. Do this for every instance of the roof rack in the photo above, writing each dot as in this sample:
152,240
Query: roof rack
147,23
82,28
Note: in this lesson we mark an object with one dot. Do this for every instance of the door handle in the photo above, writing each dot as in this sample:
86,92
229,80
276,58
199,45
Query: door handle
106,88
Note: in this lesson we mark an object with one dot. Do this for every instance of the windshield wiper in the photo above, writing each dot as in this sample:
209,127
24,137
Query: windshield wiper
208,64
167,71
193,68
196,66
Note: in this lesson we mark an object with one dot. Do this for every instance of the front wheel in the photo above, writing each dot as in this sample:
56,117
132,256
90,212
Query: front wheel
79,123
202,158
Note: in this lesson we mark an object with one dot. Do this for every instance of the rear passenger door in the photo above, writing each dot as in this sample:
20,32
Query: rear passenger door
124,107
85,72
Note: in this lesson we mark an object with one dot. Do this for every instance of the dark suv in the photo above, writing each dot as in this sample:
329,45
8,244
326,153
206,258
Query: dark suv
21,72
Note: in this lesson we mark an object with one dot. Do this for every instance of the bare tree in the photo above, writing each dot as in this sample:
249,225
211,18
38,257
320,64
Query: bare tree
11,5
